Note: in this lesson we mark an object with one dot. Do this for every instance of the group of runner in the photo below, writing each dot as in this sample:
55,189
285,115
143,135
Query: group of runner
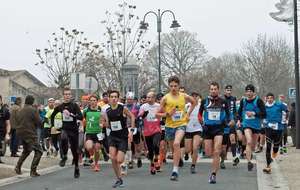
124,130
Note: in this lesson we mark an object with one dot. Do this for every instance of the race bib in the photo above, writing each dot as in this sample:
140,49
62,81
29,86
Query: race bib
100,136
151,117
163,127
177,116
115,125
67,118
214,115
273,126
57,124
249,117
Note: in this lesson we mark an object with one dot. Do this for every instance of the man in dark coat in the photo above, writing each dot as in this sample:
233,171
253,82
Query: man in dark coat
27,121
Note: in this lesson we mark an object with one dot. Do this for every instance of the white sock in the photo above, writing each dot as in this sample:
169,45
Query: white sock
175,169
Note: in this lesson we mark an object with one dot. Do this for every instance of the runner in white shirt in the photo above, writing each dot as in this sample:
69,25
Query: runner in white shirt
193,134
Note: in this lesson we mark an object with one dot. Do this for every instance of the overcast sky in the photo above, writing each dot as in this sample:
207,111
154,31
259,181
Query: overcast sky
221,25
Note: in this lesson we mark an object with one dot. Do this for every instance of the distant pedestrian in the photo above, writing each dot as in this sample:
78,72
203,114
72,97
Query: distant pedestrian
15,108
4,128
27,122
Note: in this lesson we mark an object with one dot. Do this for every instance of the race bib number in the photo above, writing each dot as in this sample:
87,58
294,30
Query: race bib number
57,124
249,117
67,118
214,115
163,127
177,116
273,126
151,117
115,125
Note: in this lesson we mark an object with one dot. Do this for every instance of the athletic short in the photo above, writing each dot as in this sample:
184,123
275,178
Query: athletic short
254,131
232,130
46,133
93,137
226,139
121,144
211,131
190,135
170,132
163,134
263,131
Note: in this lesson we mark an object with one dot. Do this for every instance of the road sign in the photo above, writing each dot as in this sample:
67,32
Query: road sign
292,93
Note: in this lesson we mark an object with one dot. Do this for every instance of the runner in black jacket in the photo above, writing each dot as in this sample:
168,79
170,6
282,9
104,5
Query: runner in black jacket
69,133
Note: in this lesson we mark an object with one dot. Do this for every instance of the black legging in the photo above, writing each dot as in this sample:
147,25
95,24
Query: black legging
272,137
284,139
153,142
68,136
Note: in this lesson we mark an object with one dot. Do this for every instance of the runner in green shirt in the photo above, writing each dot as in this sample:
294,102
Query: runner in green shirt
93,131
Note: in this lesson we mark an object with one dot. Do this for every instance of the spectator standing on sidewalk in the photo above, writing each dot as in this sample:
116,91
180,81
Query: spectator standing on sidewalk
4,128
15,108
27,121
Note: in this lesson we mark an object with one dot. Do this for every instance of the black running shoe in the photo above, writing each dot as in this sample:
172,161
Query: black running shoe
76,173
62,162
186,157
250,166
139,163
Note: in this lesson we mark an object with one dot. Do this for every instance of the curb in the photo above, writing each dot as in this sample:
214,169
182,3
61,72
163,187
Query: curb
25,176
275,180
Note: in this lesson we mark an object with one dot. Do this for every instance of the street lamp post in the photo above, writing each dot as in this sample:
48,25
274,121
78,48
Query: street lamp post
145,25
296,64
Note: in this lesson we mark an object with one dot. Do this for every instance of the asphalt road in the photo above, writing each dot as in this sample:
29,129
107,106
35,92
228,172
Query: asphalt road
233,178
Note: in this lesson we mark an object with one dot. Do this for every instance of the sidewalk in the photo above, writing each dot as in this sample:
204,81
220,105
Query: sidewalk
290,167
7,169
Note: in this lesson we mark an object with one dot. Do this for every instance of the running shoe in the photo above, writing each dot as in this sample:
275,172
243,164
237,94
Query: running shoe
96,167
139,163
118,183
267,170
222,165
124,169
250,166
152,169
62,162
186,157
236,161
130,165
193,169
76,173
212,179
281,150
174,176
285,150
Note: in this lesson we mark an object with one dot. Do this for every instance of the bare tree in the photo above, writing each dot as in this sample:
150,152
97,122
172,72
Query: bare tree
123,39
64,54
270,62
181,55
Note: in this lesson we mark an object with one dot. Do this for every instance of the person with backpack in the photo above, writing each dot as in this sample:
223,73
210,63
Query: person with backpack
250,115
